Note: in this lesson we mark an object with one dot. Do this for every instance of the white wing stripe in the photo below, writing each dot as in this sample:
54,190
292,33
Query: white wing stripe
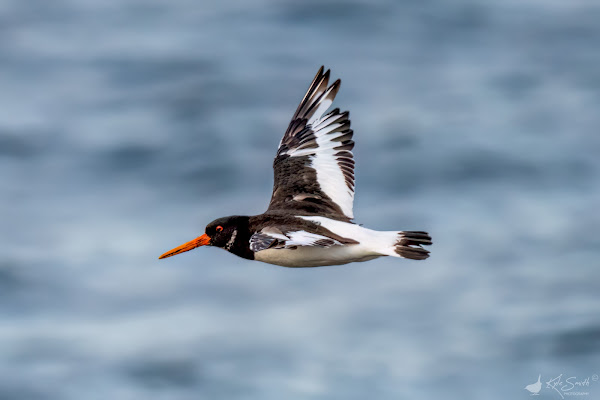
322,108
326,143
331,178
329,119
325,139
327,129
303,238
323,104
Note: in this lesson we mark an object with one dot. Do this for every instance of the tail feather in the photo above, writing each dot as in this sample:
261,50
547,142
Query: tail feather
409,245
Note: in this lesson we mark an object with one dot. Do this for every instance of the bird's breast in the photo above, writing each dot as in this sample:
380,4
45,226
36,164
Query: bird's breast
315,256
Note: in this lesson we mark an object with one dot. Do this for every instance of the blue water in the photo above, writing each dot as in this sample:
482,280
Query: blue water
126,126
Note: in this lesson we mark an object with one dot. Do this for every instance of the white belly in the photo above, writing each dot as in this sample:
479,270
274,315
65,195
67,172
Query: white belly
315,256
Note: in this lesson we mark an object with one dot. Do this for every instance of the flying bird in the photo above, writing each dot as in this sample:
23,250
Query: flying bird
309,220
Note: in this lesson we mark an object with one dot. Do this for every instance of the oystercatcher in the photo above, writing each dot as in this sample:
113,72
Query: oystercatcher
309,219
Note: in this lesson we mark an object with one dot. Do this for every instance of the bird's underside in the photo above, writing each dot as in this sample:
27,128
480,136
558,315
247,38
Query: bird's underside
311,241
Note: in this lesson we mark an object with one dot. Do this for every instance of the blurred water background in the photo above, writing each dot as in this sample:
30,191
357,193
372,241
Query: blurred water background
126,126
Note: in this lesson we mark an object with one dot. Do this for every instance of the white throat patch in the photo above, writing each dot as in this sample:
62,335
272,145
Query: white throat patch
230,243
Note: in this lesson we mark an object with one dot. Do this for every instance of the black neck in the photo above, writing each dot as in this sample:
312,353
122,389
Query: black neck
240,245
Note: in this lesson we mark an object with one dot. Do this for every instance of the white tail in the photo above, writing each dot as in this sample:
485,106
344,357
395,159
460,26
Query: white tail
405,244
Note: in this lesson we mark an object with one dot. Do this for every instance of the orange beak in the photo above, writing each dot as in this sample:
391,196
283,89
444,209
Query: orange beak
192,244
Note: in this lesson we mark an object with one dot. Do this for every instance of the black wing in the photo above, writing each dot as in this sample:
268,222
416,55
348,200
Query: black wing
314,166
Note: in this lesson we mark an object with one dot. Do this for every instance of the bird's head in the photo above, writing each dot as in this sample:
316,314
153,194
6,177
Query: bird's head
219,233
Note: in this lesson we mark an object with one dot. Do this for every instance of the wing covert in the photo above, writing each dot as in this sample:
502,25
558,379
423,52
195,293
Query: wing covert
269,240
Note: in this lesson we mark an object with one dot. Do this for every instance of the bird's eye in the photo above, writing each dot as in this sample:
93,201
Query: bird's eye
219,228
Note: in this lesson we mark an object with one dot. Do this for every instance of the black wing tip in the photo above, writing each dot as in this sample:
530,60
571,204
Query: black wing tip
335,87
326,75
319,75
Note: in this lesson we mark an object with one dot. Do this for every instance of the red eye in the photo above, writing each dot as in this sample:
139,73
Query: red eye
219,228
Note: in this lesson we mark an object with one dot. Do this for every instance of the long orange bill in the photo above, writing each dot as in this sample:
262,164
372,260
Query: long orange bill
192,244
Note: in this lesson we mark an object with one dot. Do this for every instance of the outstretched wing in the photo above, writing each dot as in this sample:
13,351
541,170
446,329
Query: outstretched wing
272,240
314,166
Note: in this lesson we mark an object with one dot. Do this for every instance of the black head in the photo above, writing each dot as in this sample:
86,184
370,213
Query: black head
223,231
226,232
